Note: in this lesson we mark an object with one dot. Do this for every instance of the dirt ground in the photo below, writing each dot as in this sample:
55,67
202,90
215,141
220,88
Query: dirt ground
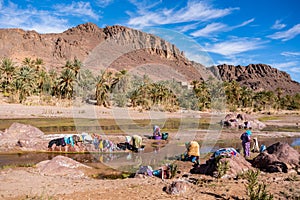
28,183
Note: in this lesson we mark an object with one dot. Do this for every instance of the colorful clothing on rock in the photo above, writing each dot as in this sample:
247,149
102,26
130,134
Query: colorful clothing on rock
227,152
69,140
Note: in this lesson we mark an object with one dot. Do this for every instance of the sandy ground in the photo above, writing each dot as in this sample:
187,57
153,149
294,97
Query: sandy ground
27,183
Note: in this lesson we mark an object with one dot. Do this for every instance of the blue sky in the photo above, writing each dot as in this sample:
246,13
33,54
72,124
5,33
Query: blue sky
237,32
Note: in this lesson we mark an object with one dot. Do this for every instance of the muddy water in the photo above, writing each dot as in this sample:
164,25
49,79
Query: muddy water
23,159
50,126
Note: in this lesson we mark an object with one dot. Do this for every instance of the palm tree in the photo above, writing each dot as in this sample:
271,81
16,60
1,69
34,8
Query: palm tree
43,82
7,70
202,93
66,83
24,83
233,93
105,85
28,62
53,83
246,97
76,66
39,64
86,83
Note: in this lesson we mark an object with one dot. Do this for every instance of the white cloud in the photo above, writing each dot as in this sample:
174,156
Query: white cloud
104,3
235,46
187,27
295,69
288,34
244,23
11,16
76,9
278,25
284,65
193,11
290,54
144,5
241,59
209,29
214,28
42,21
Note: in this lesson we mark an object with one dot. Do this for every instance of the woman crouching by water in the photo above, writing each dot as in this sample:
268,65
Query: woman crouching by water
65,142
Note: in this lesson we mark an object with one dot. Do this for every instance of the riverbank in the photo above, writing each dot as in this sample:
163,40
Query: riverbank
27,183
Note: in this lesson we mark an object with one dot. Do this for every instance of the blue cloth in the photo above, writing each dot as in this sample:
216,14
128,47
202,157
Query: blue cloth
228,152
248,132
69,140
262,148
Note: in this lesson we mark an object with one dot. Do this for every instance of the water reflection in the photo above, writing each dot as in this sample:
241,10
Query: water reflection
129,160
296,142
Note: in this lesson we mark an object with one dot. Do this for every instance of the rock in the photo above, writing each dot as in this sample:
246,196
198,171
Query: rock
279,157
22,137
237,120
126,48
62,166
258,77
177,187
236,165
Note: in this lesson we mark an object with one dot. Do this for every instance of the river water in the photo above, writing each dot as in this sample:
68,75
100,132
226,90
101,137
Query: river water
23,159
50,127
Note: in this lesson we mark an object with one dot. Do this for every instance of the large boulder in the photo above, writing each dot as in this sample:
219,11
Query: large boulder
234,164
279,157
62,166
238,120
22,137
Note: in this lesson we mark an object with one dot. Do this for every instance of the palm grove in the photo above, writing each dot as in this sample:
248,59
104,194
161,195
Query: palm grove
30,78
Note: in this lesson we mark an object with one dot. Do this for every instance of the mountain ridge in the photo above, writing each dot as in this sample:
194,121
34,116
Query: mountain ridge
120,47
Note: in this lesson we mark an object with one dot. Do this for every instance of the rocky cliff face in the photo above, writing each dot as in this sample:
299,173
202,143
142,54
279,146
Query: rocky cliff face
118,47
257,77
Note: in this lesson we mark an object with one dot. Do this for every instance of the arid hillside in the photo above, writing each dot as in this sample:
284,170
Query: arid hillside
120,47
258,77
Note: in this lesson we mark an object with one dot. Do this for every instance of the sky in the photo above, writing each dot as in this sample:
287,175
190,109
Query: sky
236,32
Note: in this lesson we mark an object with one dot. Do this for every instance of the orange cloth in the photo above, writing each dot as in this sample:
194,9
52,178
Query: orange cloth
193,149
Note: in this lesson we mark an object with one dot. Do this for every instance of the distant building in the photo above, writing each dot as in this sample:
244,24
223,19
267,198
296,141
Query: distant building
186,85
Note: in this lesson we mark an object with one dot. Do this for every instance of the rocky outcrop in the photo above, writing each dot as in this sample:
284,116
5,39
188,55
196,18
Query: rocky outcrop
235,165
177,187
241,121
258,77
62,166
279,157
22,137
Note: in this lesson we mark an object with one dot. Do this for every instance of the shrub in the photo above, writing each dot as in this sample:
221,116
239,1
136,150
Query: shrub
255,190
222,167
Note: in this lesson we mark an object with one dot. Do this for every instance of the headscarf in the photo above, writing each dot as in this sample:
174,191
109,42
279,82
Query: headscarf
248,132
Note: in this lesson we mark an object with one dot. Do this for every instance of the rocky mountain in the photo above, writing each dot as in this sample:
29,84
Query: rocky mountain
115,47
119,47
257,77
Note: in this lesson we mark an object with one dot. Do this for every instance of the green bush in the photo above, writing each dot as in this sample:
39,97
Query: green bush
256,190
